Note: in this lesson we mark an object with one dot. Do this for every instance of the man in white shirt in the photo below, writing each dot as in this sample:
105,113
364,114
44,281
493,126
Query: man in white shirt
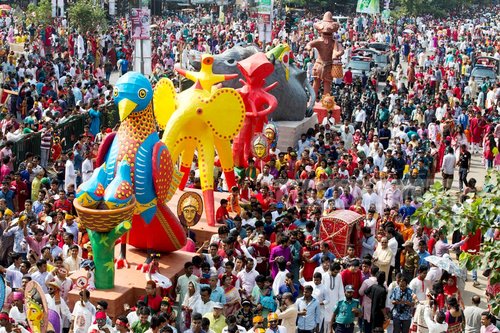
69,171
232,326
335,293
265,177
100,325
393,246
370,198
17,312
87,167
448,168
418,284
247,277
41,274
437,326
359,116
379,159
56,303
346,136
362,146
204,304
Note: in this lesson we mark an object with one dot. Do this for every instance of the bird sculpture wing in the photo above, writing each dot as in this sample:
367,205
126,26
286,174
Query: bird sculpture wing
166,177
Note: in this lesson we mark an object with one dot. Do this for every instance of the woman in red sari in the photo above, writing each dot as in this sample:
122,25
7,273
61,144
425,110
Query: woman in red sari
442,149
307,252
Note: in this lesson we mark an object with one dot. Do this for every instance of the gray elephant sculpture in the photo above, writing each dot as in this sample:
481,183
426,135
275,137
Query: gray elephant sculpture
294,93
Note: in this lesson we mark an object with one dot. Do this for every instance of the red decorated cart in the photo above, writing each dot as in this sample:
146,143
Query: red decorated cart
339,229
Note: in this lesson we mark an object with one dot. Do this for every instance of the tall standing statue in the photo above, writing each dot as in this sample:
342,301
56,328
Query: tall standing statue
328,64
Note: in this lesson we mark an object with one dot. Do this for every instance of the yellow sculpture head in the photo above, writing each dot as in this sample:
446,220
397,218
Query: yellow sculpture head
260,146
328,102
190,208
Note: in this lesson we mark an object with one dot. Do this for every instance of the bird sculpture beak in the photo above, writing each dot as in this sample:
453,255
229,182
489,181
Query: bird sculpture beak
125,107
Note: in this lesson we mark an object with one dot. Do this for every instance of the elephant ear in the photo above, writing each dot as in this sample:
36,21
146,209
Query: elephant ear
224,112
164,101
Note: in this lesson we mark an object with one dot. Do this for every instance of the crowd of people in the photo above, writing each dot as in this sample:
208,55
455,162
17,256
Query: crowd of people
266,270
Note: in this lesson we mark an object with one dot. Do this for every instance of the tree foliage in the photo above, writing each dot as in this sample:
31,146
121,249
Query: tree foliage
436,8
85,16
39,14
480,211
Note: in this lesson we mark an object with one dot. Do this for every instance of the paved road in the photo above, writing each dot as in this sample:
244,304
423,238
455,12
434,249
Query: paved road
478,171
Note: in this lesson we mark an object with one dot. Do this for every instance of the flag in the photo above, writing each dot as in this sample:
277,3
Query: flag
368,6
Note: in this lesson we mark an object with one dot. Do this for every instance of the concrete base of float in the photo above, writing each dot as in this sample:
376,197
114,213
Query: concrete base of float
130,283
290,131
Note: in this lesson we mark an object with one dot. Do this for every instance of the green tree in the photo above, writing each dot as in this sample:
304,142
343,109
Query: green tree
479,211
39,14
85,16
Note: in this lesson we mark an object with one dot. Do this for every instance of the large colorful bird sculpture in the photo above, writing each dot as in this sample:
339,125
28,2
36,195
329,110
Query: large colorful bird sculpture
154,178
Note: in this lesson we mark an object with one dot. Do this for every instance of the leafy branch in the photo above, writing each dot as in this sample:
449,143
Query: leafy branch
479,211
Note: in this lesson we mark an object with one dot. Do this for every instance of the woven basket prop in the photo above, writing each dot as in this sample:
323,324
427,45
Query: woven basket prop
104,220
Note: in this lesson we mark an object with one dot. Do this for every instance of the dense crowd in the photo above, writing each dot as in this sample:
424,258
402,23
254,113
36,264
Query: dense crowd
266,270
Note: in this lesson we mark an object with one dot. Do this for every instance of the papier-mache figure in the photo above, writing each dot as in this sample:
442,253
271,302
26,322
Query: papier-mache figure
328,65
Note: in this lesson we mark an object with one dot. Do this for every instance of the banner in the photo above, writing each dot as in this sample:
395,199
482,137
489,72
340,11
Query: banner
141,23
265,19
368,6
265,11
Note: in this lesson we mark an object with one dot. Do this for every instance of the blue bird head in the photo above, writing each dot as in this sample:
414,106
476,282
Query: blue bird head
132,93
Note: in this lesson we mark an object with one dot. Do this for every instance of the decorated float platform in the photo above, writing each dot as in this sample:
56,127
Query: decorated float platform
130,282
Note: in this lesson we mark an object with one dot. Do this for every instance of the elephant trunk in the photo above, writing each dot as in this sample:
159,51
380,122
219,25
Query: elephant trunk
312,98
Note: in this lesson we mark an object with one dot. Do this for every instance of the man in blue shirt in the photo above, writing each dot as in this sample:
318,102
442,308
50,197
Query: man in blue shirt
217,293
422,254
301,222
325,252
7,194
407,209
308,312
289,287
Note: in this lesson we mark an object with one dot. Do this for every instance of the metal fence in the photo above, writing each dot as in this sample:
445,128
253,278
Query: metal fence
69,130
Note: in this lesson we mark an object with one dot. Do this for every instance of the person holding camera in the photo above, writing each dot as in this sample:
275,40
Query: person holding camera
288,312
402,299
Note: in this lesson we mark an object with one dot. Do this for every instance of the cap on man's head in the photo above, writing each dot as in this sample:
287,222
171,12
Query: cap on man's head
100,315
349,288
246,302
273,316
218,305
